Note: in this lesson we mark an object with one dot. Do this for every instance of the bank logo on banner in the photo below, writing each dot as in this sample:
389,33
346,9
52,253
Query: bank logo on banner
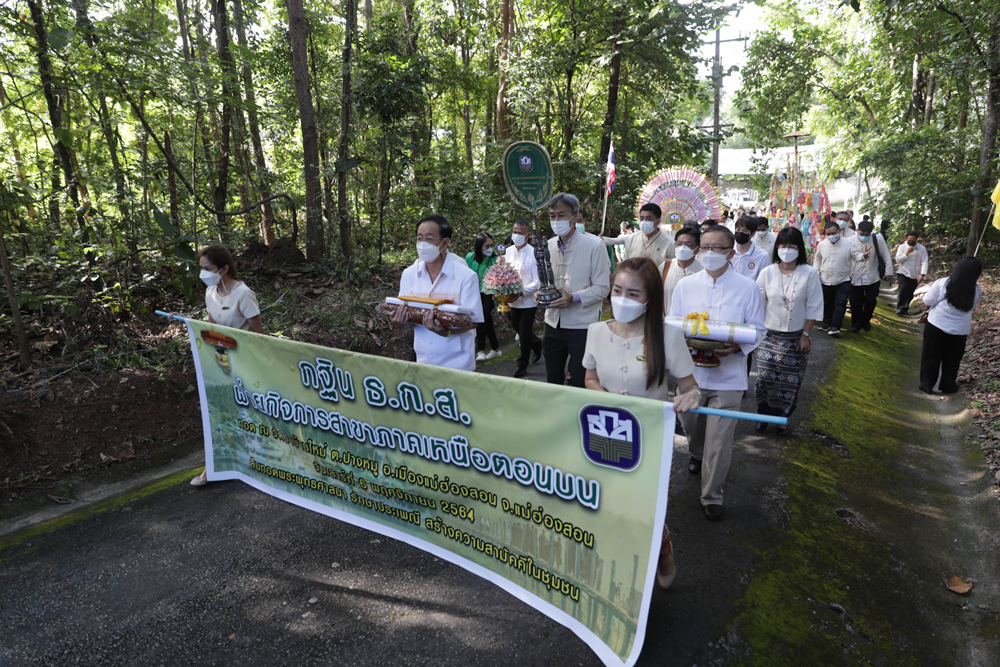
612,437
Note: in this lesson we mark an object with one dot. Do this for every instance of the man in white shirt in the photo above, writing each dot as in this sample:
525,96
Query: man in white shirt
684,263
748,258
582,273
875,266
764,238
726,296
834,259
651,241
912,259
439,273
521,256
844,222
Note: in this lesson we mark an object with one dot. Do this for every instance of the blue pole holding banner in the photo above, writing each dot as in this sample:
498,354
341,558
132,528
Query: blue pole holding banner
732,414
748,416
172,317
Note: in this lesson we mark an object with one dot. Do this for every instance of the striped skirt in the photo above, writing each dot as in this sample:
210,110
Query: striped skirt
781,368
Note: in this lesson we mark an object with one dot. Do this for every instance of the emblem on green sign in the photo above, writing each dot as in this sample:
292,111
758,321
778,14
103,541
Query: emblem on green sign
527,172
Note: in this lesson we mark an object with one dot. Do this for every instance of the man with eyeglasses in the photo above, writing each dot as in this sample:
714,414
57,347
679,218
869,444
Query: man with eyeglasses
726,296
582,273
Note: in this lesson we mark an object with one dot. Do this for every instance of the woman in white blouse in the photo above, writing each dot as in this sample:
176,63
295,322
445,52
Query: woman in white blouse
951,301
793,301
228,301
633,353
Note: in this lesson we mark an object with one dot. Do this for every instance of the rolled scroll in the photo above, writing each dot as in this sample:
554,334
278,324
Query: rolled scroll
697,325
448,314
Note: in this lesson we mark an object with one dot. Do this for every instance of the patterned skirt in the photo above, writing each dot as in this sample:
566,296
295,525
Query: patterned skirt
781,368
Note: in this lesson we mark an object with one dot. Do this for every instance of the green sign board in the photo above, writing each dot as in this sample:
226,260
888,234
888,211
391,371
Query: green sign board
527,172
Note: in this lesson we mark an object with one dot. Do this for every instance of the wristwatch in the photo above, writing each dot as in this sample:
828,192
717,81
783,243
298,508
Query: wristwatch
806,334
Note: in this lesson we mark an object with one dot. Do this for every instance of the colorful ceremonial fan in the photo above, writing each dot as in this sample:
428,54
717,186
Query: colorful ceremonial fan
684,195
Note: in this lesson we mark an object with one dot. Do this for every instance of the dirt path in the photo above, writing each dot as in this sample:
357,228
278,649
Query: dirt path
832,551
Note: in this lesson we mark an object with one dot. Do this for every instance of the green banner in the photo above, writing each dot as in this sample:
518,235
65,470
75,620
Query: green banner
554,493
527,172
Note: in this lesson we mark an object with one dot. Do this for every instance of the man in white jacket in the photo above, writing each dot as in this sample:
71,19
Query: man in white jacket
913,266
874,266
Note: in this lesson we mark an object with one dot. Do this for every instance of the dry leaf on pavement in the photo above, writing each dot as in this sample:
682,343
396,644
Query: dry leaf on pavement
958,585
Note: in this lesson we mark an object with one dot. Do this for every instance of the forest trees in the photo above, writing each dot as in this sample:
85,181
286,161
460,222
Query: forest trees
132,133
907,92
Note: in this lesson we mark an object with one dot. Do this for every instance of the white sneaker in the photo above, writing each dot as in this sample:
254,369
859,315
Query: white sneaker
494,354
481,356
517,338
200,480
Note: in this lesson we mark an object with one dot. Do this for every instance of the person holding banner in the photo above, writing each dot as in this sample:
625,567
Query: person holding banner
439,273
228,301
582,274
521,256
718,293
793,301
613,365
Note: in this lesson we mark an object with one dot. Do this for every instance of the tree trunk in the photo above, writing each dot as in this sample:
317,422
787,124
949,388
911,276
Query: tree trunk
346,102
15,309
262,177
188,50
929,102
503,108
18,159
568,129
60,130
419,128
987,149
298,32
916,94
228,96
369,15
175,215
202,51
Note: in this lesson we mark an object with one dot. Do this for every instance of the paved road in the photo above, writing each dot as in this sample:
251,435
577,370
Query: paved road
227,575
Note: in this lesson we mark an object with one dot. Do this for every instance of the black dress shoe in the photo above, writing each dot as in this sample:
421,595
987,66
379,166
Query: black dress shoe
713,512
760,427
536,352
926,390
867,327
949,390
854,329
694,466
520,372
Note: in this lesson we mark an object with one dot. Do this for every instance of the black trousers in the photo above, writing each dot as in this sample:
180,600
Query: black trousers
522,320
864,298
560,344
941,354
835,303
485,329
907,286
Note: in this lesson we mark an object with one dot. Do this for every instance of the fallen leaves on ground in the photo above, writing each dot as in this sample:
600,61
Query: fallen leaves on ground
958,585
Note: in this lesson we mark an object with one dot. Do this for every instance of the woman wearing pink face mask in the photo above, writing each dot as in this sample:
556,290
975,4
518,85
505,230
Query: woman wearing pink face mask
633,353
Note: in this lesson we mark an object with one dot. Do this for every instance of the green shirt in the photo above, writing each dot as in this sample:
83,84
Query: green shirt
480,267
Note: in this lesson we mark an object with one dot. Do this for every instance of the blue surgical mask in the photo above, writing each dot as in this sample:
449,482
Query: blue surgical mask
842,223
864,239
580,227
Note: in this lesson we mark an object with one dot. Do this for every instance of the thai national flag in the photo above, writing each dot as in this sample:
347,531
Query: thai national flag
610,168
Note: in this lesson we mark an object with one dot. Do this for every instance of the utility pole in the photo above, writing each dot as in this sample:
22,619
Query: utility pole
717,84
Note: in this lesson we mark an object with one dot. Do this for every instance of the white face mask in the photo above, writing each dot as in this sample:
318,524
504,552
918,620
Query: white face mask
560,227
762,232
210,278
684,253
788,254
842,223
428,252
488,251
580,227
833,238
713,261
647,226
519,239
625,310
